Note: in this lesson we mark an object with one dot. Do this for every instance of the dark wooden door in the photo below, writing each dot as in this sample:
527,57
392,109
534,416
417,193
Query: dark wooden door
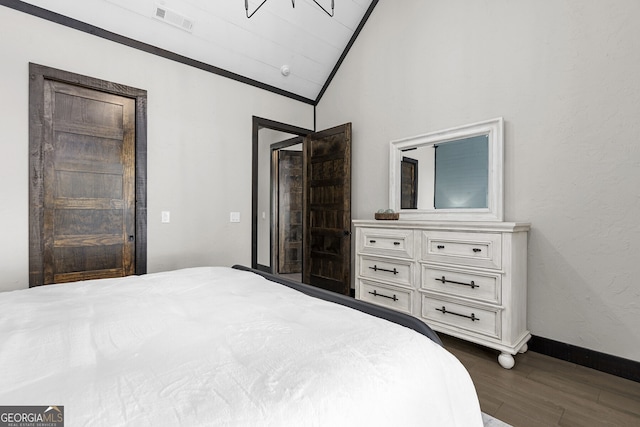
89,184
408,183
327,205
289,211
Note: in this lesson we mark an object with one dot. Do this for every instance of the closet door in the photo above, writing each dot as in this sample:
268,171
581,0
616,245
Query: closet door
88,184
89,176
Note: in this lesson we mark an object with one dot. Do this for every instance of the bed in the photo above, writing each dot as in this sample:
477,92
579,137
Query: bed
224,346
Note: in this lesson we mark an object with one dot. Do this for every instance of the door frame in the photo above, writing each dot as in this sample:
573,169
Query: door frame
259,123
37,75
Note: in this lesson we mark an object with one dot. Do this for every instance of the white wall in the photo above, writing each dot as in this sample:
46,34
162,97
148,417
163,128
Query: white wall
564,75
199,144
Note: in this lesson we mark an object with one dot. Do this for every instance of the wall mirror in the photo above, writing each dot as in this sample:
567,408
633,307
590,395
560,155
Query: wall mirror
454,174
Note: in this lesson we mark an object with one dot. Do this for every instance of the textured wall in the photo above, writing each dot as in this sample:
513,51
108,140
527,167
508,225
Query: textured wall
199,144
564,75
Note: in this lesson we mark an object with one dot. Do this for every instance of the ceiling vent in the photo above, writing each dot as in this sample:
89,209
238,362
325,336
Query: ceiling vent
173,18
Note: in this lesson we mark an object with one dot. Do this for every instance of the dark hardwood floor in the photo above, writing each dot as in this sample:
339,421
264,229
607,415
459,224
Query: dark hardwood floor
544,391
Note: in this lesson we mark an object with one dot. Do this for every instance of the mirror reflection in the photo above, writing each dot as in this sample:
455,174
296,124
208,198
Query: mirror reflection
454,175
451,174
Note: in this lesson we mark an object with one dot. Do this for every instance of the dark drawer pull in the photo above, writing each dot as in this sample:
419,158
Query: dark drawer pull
444,311
395,243
477,250
376,268
472,284
376,294
440,246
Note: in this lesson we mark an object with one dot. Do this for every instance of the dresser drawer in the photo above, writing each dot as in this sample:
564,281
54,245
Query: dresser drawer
483,320
390,242
468,249
387,270
389,296
480,286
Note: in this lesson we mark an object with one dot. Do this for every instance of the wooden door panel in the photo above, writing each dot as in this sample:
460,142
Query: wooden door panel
89,184
76,262
88,221
92,148
81,184
290,211
327,243
94,111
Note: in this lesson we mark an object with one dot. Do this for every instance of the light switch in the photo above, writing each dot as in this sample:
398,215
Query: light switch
166,216
234,217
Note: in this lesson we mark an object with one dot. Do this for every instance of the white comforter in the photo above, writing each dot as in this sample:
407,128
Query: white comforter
217,346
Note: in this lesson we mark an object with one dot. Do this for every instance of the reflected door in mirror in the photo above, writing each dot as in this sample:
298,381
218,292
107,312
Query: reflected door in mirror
409,183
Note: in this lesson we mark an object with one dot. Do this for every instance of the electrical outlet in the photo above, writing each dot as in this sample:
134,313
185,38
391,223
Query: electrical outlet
234,217
166,216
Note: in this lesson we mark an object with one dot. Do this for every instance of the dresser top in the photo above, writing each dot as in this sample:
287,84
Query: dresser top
496,226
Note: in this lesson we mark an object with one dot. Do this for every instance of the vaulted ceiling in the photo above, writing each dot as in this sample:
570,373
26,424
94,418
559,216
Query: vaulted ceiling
291,46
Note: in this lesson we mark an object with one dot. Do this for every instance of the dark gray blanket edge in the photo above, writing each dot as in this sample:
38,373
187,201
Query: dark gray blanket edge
372,309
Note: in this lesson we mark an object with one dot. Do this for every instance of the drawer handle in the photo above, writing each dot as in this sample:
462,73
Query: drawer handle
477,250
376,268
444,311
395,243
440,246
472,284
376,294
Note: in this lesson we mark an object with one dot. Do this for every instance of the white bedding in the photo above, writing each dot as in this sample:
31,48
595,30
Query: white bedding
217,346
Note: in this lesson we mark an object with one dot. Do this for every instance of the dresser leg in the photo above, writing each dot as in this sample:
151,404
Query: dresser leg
524,349
506,360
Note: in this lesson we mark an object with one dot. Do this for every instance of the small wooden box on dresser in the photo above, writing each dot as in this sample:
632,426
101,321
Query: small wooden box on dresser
465,279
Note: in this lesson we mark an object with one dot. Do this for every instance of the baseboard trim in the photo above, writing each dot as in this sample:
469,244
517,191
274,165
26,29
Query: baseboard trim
608,363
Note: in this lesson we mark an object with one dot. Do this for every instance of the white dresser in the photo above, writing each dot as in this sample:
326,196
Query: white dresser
465,279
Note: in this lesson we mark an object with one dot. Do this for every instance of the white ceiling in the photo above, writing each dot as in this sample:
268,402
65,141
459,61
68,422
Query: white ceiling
303,38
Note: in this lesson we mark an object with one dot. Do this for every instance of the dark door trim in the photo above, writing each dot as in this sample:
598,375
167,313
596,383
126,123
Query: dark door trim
259,123
37,76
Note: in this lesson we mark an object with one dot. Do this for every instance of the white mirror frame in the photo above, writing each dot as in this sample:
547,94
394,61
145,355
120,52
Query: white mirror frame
494,129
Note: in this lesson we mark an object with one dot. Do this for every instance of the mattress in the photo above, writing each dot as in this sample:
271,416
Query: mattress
220,346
